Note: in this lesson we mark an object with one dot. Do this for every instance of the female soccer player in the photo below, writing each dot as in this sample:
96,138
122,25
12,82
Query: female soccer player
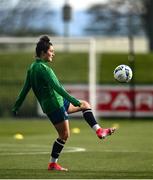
55,101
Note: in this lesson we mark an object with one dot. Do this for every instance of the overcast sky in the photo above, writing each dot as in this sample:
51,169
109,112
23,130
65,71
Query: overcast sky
76,4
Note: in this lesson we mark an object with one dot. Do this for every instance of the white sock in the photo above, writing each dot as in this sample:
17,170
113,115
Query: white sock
95,127
53,160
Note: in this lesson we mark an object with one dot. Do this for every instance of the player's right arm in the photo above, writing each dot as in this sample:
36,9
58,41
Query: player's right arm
52,80
24,91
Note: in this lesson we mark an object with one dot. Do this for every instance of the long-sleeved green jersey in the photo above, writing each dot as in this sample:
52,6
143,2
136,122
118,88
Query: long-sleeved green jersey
48,90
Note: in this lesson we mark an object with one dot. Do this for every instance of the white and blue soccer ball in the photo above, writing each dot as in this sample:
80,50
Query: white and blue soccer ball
123,73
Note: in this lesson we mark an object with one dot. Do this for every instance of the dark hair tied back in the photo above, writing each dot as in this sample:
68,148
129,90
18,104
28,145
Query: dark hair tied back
45,39
43,45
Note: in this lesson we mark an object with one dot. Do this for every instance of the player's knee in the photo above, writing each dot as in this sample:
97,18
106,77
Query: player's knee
85,105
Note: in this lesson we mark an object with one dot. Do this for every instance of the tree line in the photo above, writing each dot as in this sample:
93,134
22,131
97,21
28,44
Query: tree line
113,18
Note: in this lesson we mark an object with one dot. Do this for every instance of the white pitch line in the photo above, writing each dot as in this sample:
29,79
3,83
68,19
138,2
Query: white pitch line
25,145
22,153
67,150
125,151
74,149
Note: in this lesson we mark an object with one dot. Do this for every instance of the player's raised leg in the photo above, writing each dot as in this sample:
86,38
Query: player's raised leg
90,119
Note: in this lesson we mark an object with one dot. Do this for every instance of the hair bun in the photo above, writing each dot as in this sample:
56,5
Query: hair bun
45,38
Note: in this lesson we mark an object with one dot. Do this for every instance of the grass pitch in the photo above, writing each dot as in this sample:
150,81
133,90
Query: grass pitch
126,154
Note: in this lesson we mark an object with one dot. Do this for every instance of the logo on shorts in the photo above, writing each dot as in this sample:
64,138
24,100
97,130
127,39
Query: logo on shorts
66,114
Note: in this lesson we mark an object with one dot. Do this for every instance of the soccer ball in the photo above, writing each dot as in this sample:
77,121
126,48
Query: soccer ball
123,73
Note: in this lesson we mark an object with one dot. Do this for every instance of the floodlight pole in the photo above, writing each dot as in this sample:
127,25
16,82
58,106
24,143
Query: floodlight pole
66,13
131,59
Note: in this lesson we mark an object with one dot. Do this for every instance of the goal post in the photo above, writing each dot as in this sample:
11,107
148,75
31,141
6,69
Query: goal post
92,74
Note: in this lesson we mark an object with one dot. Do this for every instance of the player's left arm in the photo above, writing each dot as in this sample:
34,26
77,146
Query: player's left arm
24,91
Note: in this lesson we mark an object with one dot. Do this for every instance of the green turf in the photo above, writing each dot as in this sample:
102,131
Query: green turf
127,154
73,67
143,63
13,67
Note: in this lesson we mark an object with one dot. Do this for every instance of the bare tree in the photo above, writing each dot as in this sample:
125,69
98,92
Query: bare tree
111,18
26,17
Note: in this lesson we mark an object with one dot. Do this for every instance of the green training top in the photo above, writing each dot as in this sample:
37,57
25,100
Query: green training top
48,90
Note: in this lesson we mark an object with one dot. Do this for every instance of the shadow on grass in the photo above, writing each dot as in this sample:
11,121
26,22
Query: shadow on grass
84,174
